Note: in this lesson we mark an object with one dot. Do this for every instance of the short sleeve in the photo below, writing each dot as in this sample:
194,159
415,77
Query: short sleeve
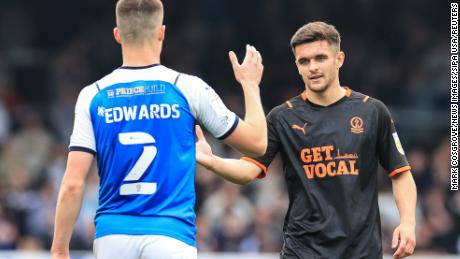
207,106
82,138
390,151
272,148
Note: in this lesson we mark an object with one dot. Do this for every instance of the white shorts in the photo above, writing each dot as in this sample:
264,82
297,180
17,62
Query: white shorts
142,247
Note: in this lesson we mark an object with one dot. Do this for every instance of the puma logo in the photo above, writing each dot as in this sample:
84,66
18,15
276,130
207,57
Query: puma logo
297,127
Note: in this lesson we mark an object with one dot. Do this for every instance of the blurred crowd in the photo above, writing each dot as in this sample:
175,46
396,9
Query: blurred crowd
49,50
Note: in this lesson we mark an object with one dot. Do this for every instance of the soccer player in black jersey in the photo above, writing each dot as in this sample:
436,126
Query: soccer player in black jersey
331,140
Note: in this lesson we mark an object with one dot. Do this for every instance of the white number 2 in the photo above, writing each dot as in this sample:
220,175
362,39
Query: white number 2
139,168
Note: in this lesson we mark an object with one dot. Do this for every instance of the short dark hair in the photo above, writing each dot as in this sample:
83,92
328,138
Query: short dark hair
137,19
316,31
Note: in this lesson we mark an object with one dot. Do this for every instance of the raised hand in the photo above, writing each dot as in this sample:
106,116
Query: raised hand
248,73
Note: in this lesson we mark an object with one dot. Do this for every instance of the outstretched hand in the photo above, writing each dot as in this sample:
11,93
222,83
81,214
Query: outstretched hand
250,71
204,154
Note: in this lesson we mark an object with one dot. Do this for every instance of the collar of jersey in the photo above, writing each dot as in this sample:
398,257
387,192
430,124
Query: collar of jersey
139,67
347,94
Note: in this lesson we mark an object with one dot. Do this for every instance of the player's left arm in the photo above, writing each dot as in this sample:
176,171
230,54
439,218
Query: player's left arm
69,201
392,157
405,194
80,158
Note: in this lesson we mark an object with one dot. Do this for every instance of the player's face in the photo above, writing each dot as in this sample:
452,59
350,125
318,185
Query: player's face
318,63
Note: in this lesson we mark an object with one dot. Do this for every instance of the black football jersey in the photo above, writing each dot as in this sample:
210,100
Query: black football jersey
330,159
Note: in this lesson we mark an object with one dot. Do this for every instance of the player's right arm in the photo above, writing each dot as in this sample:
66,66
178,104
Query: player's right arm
238,171
250,136
69,201
246,169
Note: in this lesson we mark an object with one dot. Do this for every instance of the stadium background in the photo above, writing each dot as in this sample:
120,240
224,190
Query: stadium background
397,51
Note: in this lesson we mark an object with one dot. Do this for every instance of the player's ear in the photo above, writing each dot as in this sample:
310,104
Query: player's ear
297,65
161,33
116,35
340,59
295,62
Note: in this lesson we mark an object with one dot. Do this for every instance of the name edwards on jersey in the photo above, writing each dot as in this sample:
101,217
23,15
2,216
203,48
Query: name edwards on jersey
138,112
142,112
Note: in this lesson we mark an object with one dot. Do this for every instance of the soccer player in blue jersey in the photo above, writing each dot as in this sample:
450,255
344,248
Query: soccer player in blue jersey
139,124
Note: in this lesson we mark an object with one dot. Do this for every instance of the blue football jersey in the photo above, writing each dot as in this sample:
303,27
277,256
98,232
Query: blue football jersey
139,123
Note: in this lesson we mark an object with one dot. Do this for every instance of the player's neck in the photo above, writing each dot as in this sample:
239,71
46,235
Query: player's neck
140,55
334,93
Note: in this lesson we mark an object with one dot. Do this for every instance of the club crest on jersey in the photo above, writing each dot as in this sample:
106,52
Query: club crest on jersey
357,125
302,129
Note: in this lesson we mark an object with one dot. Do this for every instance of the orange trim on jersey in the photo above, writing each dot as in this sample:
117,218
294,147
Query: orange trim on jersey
348,91
289,104
303,95
258,164
399,170
365,98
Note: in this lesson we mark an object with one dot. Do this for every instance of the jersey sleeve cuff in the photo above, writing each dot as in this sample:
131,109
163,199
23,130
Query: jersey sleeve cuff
232,128
82,149
399,170
258,164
